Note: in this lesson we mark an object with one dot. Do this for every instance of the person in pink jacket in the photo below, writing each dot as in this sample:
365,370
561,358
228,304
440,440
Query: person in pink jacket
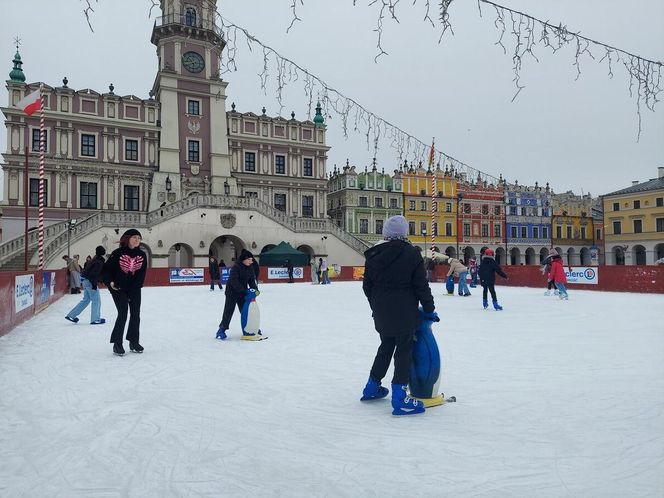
558,274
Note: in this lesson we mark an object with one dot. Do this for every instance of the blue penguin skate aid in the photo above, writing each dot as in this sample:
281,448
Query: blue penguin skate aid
250,318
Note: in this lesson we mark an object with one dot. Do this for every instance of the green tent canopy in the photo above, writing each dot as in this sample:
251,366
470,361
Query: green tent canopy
278,255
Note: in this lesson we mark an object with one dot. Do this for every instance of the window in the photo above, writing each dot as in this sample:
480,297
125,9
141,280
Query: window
34,192
513,210
35,140
659,202
280,202
190,17
485,230
411,228
583,232
448,207
496,230
466,229
559,232
637,204
466,208
535,232
616,206
364,202
496,210
394,203
524,232
194,107
250,161
448,229
364,225
88,195
378,202
379,227
131,150
569,232
194,153
513,232
545,232
524,211
617,229
251,195
598,234
280,165
423,205
130,198
638,226
423,227
411,205
545,211
308,169
308,206
88,145
485,209
659,222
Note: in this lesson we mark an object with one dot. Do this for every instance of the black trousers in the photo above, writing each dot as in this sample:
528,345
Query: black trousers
229,309
127,301
213,280
491,289
551,284
401,347
290,276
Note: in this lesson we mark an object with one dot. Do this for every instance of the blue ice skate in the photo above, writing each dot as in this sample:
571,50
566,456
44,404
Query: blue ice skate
497,306
485,303
402,404
221,334
373,390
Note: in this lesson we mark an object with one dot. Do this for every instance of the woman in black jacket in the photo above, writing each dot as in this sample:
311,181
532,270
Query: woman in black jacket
215,273
241,278
487,273
124,274
395,284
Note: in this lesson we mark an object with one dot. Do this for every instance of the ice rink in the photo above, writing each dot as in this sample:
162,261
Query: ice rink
555,399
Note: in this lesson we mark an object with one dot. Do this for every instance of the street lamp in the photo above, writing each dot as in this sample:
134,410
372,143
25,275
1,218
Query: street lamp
227,188
459,222
169,184
70,224
424,234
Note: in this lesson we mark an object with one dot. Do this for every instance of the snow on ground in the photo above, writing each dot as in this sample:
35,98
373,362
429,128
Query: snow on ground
555,399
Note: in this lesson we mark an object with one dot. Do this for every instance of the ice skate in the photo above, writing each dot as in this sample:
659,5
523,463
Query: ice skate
402,404
373,390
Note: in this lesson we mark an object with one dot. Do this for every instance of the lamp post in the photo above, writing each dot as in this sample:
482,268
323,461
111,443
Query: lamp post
227,188
169,184
70,224
459,222
424,234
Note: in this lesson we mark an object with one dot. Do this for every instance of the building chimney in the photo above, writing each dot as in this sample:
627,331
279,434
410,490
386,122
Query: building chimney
635,182
660,172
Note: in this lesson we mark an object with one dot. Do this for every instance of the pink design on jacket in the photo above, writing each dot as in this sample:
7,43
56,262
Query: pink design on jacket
129,264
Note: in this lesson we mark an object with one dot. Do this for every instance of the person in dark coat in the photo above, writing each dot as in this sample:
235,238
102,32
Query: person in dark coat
395,283
124,274
241,278
487,273
89,279
215,273
289,265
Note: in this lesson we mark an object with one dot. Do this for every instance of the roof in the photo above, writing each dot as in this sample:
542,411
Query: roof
654,184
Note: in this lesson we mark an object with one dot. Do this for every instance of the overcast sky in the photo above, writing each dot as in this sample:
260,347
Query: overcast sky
577,135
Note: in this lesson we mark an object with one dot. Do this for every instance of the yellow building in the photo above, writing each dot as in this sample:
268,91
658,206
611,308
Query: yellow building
572,230
634,223
417,188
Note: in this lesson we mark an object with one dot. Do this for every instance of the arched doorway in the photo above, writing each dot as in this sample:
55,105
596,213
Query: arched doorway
618,255
515,256
267,248
639,255
468,254
571,256
585,256
530,256
226,248
146,249
544,252
500,255
307,250
180,255
659,251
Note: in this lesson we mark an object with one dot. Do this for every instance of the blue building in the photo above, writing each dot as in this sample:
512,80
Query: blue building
528,223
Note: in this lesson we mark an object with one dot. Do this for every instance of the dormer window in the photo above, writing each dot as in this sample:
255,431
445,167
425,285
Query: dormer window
190,17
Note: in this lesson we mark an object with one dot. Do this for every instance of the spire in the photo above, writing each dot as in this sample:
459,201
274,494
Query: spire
319,119
16,75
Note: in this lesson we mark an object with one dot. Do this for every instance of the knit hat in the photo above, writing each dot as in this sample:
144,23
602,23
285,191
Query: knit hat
244,254
489,252
124,240
553,253
100,251
395,228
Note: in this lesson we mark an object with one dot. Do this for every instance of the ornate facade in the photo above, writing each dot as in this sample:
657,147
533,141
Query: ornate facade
572,228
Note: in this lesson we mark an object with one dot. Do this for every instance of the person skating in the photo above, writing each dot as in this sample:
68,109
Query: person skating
74,269
472,267
487,273
458,268
89,279
289,267
215,273
546,270
395,284
124,274
241,278
558,274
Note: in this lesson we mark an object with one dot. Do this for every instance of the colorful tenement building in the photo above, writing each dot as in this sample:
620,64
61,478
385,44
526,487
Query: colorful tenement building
573,229
634,223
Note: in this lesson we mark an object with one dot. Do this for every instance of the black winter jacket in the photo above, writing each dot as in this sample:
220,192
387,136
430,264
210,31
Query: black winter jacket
488,269
213,266
92,270
126,269
240,279
395,284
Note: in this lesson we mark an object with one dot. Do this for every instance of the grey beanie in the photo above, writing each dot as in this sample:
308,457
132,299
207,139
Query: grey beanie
395,227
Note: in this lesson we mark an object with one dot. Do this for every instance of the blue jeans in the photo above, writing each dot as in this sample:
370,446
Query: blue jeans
463,286
562,289
90,295
326,277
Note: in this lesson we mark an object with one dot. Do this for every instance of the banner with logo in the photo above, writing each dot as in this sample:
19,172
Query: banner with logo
45,288
225,273
582,275
186,275
24,292
282,273
52,283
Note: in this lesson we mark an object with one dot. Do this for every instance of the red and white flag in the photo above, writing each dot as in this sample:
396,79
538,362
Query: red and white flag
30,103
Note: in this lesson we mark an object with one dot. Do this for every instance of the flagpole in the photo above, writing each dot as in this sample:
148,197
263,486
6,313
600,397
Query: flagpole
433,193
26,201
42,152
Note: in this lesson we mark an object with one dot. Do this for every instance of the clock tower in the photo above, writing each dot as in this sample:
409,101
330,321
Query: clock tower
193,152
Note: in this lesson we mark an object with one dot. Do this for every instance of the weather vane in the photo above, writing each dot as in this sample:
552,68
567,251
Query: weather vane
17,40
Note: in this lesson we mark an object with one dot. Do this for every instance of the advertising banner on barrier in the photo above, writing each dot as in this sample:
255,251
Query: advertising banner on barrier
24,292
225,273
45,287
273,273
52,283
582,275
186,275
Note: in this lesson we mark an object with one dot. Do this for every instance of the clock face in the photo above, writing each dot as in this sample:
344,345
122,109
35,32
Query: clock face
193,62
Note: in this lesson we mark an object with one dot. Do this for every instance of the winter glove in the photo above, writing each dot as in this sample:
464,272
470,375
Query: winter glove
433,316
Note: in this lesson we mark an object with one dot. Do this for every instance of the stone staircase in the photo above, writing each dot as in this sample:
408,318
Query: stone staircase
56,236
